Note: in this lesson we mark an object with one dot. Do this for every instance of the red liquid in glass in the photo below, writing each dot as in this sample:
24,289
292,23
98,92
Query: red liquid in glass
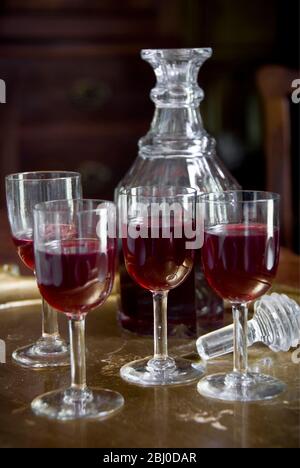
191,310
74,276
158,264
240,261
24,245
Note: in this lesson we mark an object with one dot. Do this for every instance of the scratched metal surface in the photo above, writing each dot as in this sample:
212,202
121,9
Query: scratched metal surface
154,417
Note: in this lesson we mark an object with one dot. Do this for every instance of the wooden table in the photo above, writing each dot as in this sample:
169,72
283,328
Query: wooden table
153,417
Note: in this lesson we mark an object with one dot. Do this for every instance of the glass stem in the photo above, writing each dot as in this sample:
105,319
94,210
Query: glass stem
240,340
160,304
77,345
49,322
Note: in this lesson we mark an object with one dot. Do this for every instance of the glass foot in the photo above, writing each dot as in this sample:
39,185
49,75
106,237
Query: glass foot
43,353
235,387
93,404
176,372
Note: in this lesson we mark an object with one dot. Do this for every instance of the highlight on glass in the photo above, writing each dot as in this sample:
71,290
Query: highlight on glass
240,257
75,257
159,238
23,192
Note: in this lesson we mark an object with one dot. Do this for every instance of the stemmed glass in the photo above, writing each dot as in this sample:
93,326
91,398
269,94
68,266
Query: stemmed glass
159,238
75,274
23,192
240,258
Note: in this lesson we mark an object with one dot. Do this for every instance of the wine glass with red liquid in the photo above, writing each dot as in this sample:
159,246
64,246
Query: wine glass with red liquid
240,257
23,192
159,240
75,275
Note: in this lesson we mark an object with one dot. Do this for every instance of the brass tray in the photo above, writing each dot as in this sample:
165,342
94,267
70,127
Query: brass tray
153,417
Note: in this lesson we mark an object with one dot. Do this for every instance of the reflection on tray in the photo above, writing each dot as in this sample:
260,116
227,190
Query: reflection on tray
15,288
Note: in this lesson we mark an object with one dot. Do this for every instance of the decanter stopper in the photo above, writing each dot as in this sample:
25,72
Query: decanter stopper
276,323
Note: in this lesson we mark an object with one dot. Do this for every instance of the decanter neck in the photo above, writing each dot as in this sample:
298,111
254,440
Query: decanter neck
181,122
176,73
177,123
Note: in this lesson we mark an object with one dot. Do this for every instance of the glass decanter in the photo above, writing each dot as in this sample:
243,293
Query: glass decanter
177,150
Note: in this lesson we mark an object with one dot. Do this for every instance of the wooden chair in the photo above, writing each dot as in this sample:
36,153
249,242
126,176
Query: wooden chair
275,86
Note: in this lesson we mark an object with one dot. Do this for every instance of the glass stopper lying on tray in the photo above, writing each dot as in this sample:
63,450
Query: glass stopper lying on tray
276,323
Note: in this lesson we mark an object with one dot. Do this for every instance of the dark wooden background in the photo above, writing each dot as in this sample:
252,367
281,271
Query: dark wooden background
78,92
